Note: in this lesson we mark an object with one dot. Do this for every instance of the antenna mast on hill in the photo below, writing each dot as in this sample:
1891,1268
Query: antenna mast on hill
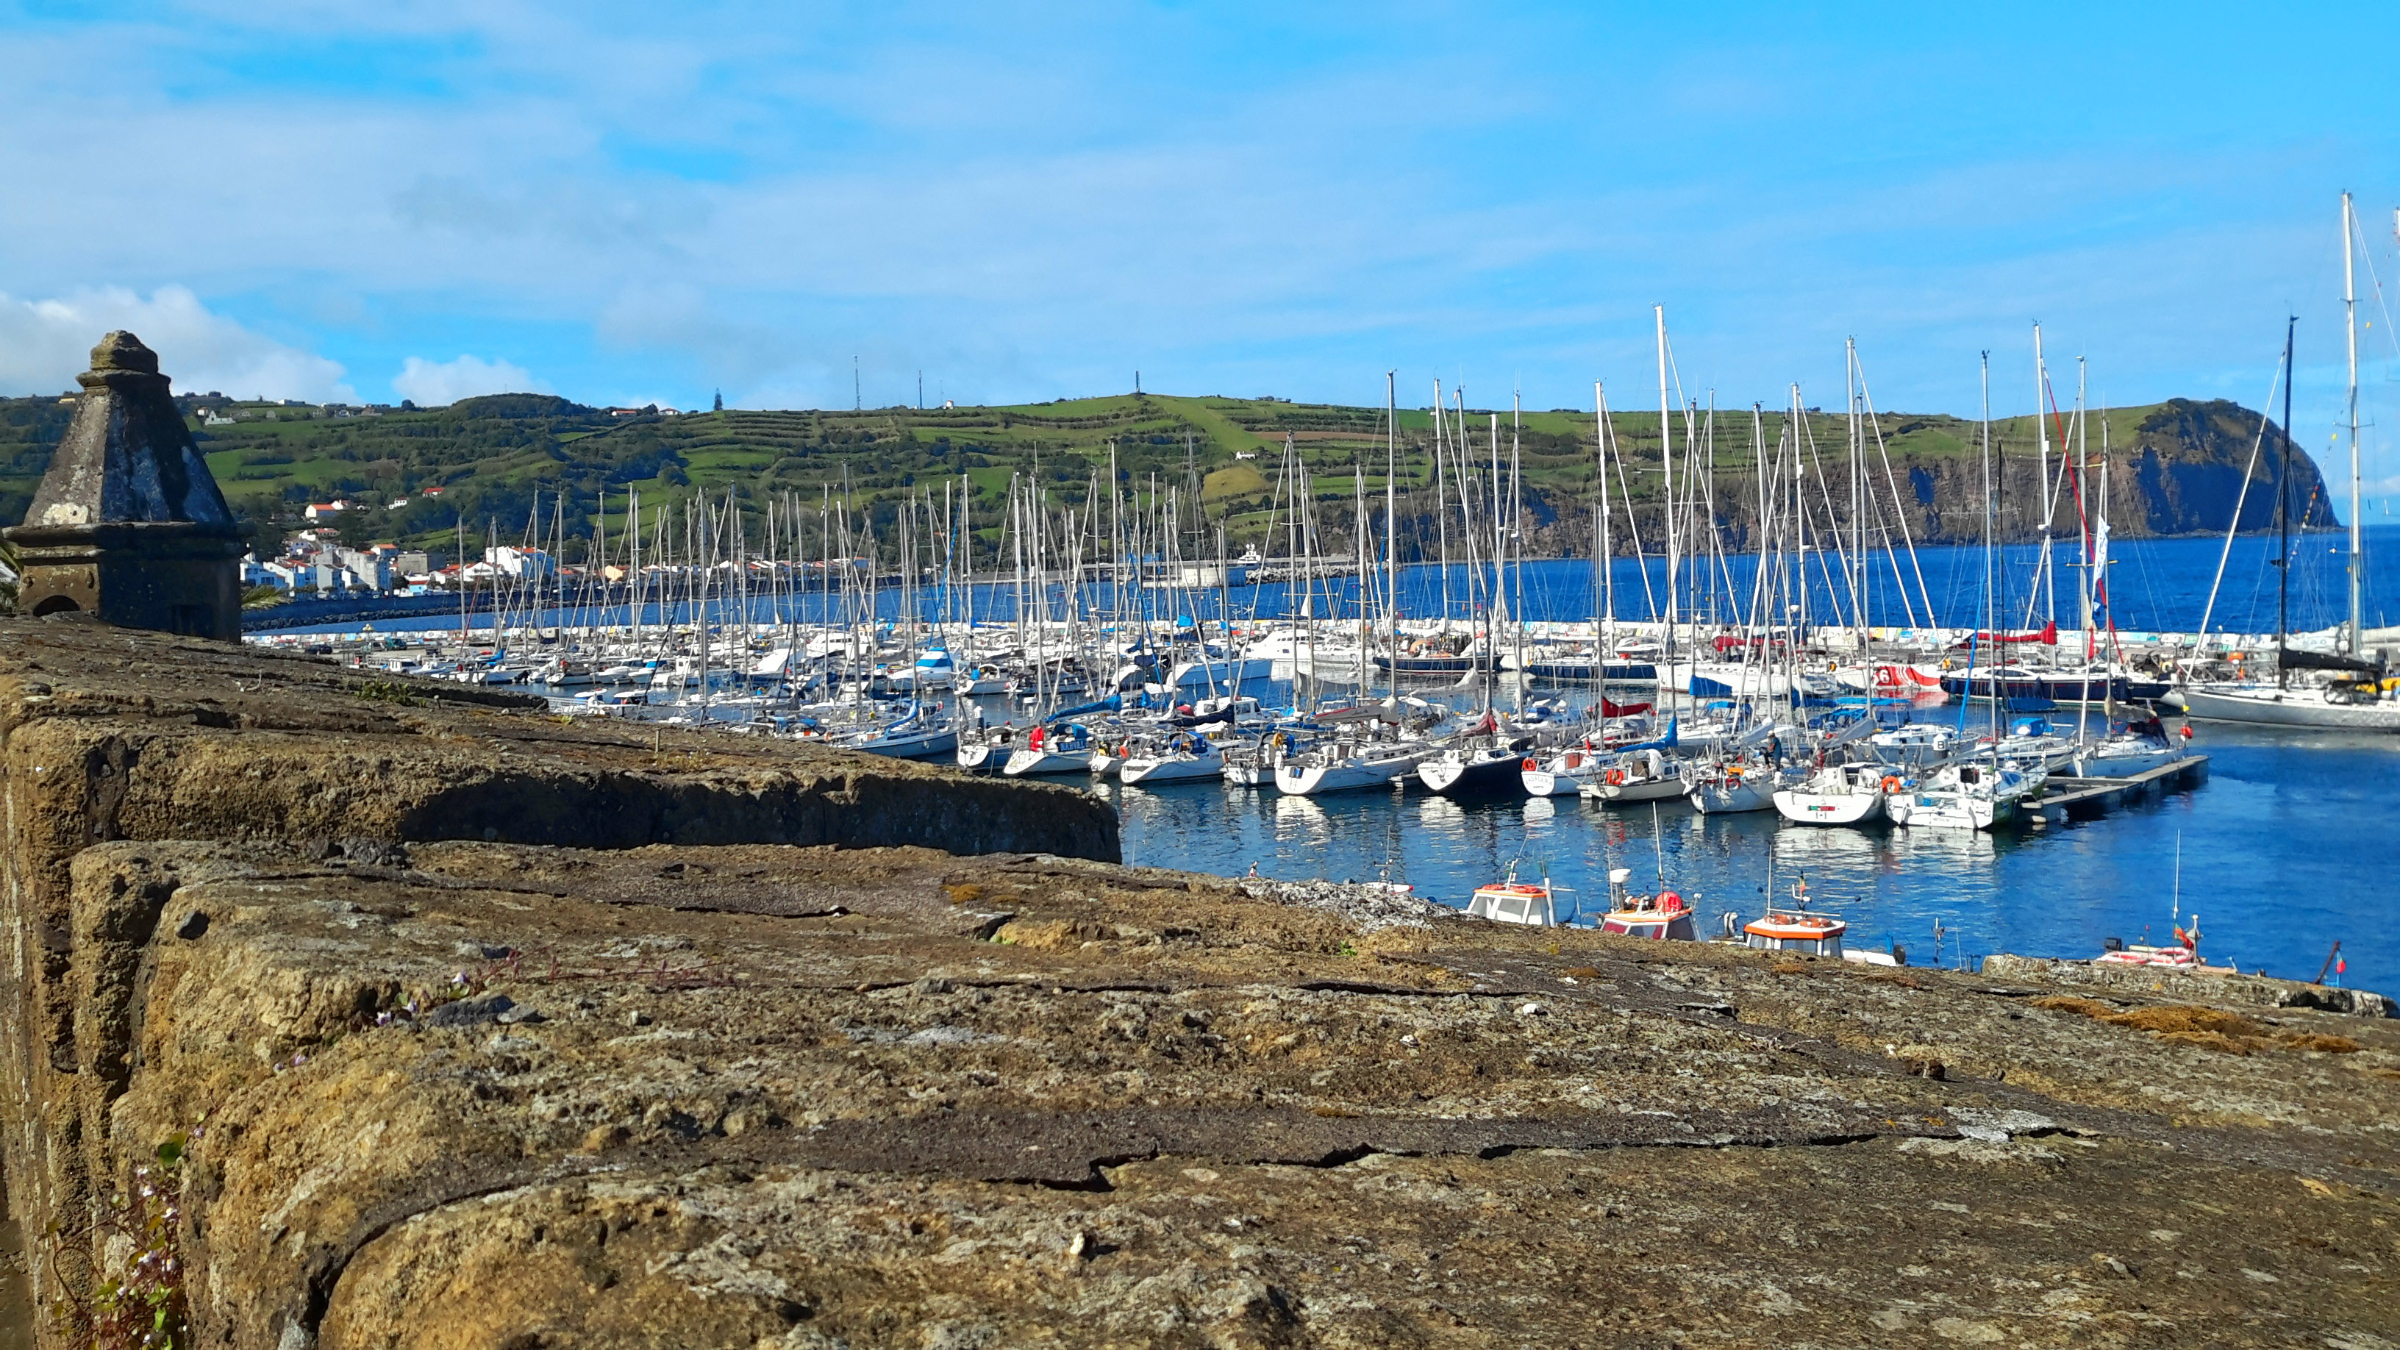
857,402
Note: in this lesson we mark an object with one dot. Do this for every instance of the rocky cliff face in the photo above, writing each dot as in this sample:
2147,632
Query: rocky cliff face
2176,468
608,1090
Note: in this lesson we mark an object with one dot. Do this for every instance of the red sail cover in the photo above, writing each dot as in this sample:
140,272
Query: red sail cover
2048,637
1608,709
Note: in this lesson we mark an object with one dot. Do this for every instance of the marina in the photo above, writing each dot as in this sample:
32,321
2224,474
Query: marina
2094,859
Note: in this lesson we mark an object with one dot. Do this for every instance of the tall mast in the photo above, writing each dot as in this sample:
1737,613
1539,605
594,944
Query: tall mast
1391,532
1666,467
2283,515
2041,429
1603,551
2350,323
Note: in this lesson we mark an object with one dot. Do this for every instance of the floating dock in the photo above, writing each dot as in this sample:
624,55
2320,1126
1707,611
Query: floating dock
2092,796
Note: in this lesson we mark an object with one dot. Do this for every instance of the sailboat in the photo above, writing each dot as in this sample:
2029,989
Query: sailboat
1963,795
2355,693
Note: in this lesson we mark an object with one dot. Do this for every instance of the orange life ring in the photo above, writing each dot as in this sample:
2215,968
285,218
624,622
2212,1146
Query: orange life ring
1616,778
1891,782
1530,764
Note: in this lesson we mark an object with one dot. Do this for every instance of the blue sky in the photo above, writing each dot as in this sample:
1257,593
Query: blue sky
636,203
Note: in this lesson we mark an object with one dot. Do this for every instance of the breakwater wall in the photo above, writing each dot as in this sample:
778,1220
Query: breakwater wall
345,1012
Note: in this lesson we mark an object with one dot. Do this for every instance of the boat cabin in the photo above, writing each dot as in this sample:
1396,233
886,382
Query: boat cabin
1796,931
1514,901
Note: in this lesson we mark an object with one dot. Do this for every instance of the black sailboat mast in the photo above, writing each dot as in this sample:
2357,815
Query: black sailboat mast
2283,516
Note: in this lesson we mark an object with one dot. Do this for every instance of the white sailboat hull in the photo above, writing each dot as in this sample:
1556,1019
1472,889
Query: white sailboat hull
1829,808
1725,799
1950,810
1025,762
1186,769
2289,708
1357,773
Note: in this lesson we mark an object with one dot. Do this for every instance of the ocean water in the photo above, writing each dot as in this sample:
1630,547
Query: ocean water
2155,584
2288,845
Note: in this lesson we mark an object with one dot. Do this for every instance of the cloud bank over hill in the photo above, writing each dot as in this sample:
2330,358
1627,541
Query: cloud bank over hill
45,343
432,384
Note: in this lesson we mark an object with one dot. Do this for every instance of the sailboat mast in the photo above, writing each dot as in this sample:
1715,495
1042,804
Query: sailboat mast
1603,554
1391,530
1666,467
2041,429
2350,323
2283,516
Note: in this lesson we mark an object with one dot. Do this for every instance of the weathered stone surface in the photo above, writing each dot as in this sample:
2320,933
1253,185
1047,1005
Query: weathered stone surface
732,1113
120,734
758,1095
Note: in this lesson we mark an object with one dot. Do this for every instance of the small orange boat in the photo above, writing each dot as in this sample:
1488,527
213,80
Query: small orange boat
1514,901
1659,916
1798,931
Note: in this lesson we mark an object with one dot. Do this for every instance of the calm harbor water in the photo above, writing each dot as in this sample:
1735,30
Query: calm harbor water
2288,845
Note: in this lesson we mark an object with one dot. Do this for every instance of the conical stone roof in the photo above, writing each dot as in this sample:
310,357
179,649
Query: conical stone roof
127,456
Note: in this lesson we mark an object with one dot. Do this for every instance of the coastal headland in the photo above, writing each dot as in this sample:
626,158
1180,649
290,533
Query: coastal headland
344,1009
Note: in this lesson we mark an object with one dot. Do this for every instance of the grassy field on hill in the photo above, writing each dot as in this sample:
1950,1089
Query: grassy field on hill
490,457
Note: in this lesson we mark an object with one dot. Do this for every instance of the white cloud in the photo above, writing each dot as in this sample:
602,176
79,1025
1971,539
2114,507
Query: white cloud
436,383
44,344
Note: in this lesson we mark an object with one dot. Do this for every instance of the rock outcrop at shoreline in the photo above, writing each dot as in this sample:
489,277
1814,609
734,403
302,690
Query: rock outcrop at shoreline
615,1090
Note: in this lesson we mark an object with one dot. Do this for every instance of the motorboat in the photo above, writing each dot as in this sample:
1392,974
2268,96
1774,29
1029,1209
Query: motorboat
1514,901
1664,915
1838,794
1796,930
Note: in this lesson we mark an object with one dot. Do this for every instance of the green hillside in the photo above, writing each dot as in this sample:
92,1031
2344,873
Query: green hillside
491,456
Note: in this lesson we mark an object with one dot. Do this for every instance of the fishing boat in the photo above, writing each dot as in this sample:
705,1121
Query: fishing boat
1796,930
1663,915
1838,794
1514,901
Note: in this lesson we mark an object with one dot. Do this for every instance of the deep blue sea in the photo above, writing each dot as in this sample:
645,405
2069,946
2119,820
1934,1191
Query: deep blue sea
2156,584
2289,844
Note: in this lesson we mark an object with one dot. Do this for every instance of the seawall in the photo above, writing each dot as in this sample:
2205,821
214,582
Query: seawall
618,1076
